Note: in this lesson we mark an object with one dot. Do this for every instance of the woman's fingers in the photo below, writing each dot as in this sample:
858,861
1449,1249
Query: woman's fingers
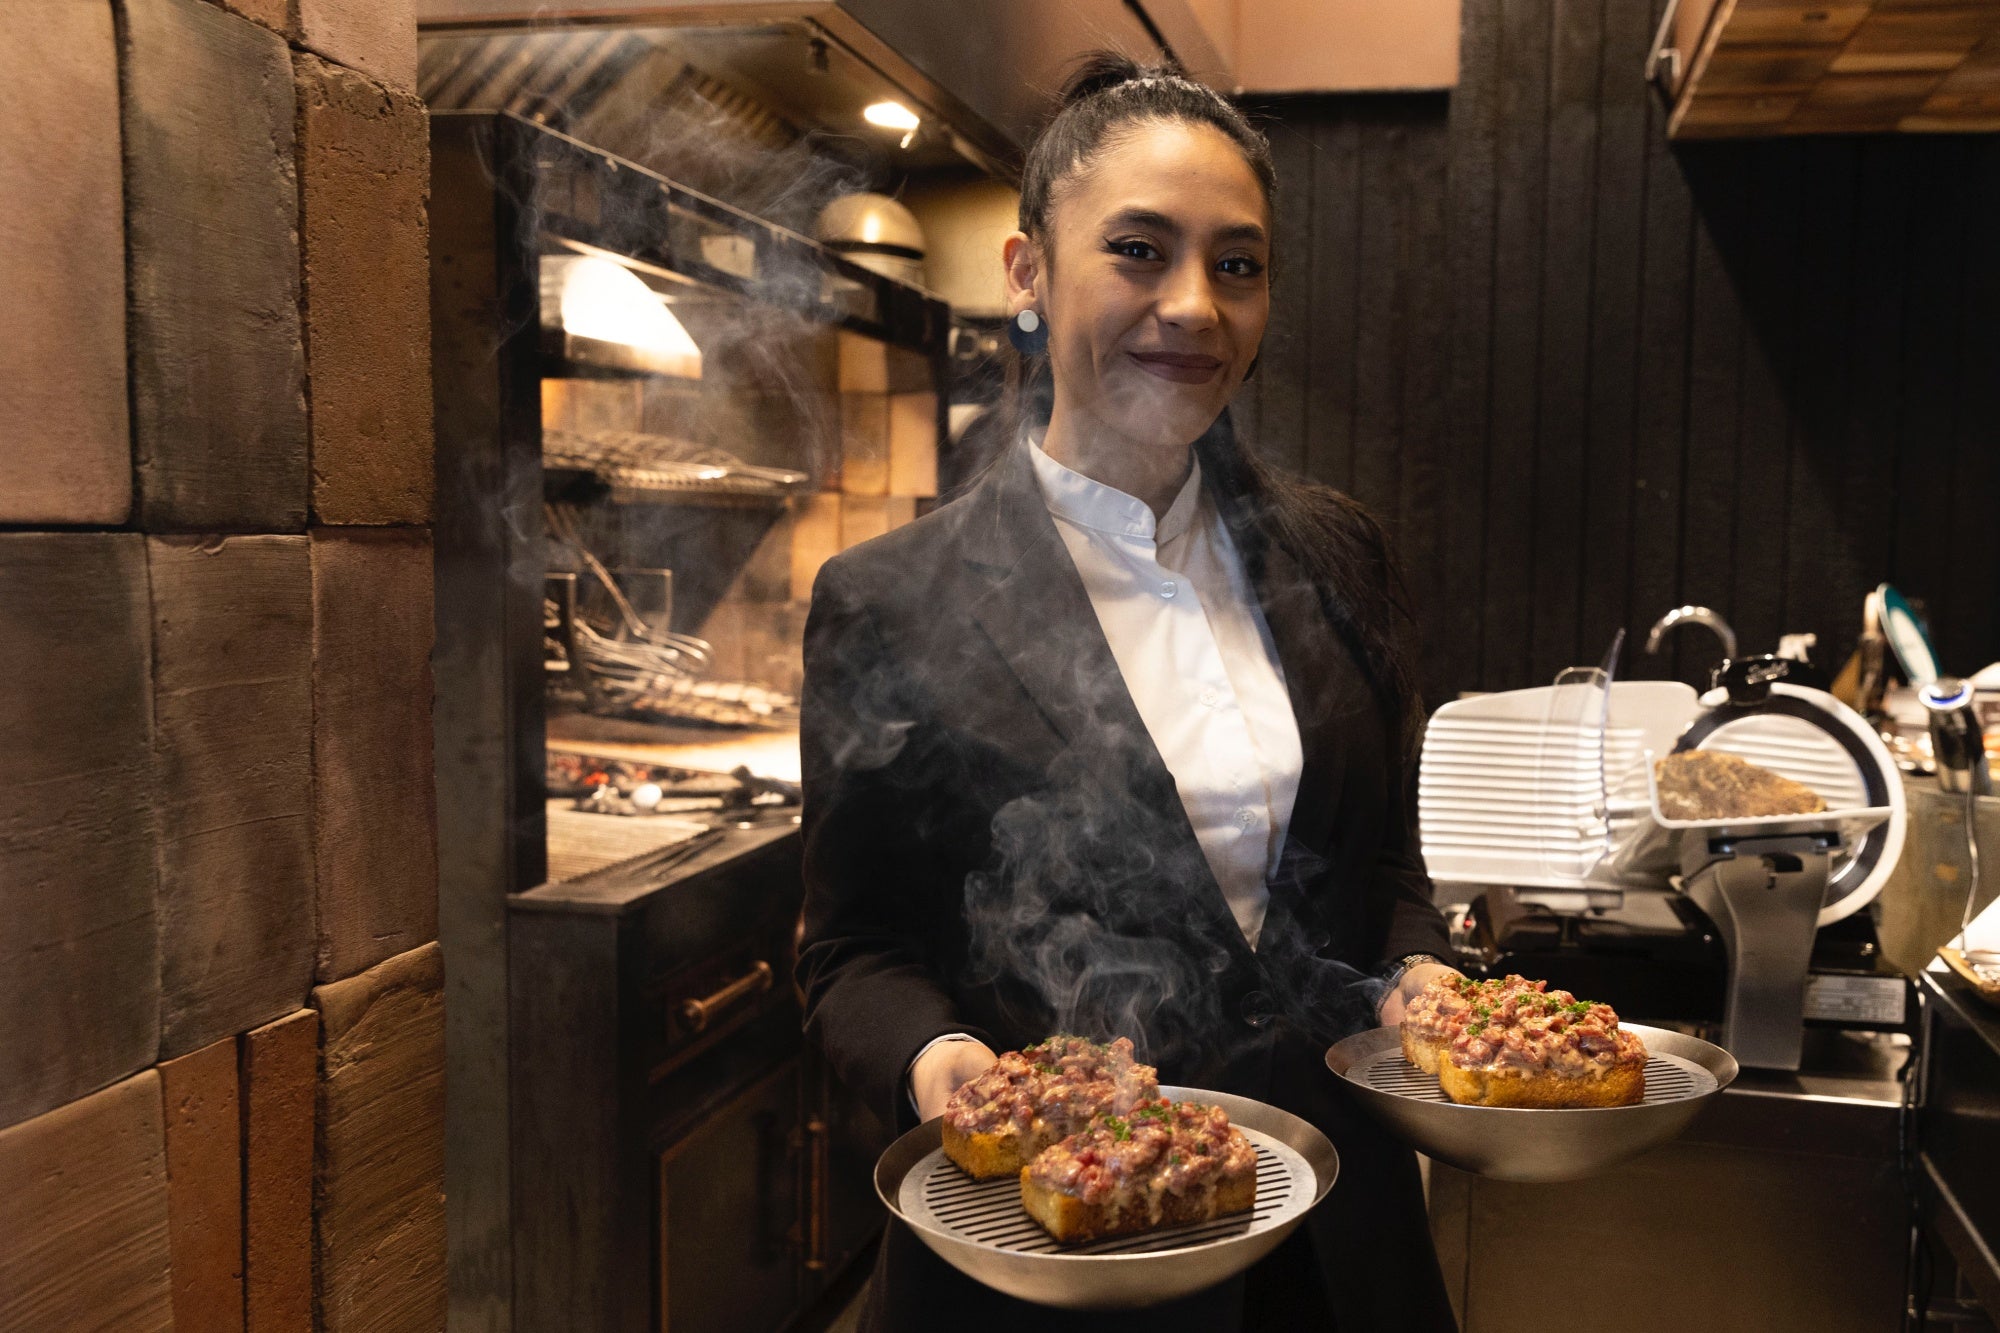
940,1070
1408,988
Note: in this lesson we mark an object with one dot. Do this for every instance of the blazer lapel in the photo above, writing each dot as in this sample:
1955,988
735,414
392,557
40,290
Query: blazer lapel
1326,688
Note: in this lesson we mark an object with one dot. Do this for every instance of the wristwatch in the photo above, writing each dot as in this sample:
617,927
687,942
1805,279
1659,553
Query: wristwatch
1408,961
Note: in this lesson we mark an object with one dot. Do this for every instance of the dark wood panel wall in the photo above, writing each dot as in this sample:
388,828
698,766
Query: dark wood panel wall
1587,376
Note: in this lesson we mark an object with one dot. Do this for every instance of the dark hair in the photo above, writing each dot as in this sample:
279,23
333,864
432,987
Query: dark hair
1108,91
1336,541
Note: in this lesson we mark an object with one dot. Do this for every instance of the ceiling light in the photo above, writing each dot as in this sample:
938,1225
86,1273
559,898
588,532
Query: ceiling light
891,116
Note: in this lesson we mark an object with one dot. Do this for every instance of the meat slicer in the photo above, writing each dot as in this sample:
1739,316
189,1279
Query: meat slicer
1544,801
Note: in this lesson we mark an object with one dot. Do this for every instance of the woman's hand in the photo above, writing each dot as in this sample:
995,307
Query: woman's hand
1407,989
938,1072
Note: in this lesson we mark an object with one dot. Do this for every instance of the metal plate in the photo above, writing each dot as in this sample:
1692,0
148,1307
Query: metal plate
1669,1078
988,1212
980,1229
1517,1143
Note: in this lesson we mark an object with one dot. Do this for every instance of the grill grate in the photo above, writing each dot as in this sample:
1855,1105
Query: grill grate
988,1212
1668,1078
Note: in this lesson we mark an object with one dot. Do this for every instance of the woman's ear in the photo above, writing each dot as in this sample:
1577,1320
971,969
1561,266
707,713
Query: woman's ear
1023,261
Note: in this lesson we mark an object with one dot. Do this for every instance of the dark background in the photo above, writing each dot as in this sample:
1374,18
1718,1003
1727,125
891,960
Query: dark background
1587,376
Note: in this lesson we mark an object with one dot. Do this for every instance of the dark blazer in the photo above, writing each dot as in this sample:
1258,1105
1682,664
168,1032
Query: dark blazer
993,844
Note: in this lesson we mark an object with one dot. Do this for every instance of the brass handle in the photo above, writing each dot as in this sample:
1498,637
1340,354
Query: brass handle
817,1153
698,1013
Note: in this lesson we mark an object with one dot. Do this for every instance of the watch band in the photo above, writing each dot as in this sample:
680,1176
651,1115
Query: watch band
1408,961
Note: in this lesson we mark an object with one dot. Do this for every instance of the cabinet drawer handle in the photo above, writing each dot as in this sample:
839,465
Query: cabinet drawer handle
699,1013
817,1169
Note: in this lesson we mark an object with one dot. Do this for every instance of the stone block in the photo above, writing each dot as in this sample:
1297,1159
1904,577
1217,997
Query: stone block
375,833
379,1181
364,175
913,440
861,518
79,947
377,37
864,444
211,207
280,16
232,701
68,450
815,540
279,1081
205,1187
83,1215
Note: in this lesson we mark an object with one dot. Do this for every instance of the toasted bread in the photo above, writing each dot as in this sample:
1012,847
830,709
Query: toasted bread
1423,1052
1072,1221
1613,1085
986,1154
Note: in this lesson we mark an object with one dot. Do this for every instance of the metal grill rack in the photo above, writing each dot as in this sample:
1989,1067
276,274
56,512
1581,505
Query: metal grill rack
989,1211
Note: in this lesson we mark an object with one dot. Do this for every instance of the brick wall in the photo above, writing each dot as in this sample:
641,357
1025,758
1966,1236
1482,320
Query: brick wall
221,1032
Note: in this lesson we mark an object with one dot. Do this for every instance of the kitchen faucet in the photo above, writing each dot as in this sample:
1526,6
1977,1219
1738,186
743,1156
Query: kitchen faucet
1692,615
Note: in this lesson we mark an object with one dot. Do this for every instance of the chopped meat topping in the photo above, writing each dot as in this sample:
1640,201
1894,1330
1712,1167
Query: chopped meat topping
1060,1085
1159,1148
1536,1029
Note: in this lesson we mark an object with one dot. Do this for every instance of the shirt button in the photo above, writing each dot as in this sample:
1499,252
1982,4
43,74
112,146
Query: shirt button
1169,588
1209,696
1245,818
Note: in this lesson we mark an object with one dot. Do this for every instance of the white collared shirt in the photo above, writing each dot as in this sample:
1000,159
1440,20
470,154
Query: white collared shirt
1197,656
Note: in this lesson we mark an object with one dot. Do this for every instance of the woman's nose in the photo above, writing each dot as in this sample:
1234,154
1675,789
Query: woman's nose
1189,298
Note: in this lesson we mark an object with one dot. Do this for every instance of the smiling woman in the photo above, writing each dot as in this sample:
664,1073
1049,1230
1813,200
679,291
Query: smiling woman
1118,743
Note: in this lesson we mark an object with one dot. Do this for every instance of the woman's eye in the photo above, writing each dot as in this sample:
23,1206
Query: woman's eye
1241,266
1133,249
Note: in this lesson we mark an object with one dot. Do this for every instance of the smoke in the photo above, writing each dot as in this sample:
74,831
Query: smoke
1092,901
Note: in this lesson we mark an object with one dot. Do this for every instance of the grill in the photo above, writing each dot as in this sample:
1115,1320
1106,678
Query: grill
1516,1143
1668,1078
988,1212
980,1229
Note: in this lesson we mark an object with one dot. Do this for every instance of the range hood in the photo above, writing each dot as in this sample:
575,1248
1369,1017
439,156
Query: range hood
984,68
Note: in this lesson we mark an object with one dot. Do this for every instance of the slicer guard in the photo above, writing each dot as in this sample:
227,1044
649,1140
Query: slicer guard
1764,880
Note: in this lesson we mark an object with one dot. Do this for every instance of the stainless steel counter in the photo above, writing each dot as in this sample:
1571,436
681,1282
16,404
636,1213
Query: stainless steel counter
1959,1138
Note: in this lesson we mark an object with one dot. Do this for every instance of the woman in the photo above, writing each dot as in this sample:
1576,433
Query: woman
1119,742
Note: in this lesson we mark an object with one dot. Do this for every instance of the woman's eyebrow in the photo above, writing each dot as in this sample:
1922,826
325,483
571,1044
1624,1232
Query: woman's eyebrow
1154,220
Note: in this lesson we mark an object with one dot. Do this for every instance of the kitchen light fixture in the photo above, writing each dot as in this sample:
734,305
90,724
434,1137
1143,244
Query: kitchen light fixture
891,116
609,303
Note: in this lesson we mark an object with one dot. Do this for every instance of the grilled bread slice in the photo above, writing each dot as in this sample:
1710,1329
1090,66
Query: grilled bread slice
984,1154
1612,1085
1540,1048
1070,1220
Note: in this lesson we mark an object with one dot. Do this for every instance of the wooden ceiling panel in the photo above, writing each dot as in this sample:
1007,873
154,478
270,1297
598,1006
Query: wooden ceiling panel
1780,67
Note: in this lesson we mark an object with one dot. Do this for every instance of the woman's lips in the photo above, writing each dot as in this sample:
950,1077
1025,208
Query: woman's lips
1180,367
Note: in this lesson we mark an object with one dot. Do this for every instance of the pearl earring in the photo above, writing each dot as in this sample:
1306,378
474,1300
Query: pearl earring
1028,333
